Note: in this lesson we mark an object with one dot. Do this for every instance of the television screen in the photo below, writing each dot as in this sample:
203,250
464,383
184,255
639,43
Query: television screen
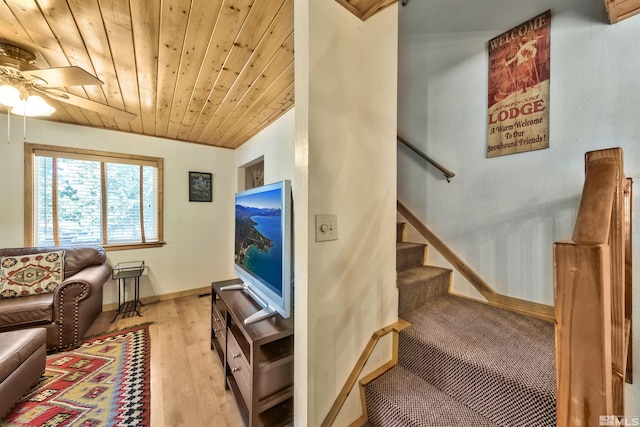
263,244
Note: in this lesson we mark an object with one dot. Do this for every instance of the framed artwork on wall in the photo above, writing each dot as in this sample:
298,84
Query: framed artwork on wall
519,81
200,185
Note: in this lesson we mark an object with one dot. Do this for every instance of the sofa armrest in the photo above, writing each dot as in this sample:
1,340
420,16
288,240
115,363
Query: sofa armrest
93,277
69,296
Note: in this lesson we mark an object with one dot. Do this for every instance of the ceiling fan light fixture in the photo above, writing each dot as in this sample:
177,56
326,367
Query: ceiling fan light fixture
9,96
32,107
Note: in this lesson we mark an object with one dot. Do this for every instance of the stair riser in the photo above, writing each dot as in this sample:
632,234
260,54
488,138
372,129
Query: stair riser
478,389
415,294
401,226
409,257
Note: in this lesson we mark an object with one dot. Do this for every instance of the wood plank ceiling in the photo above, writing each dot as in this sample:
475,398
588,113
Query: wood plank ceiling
365,9
213,72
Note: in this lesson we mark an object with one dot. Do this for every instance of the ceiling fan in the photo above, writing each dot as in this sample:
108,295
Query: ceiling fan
17,70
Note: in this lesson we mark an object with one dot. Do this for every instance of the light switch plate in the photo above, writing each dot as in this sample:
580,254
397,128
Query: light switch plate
326,227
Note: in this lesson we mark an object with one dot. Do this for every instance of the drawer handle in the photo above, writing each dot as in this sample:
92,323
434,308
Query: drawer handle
216,330
235,369
235,356
216,320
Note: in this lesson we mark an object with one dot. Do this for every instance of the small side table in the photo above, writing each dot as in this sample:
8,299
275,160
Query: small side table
121,272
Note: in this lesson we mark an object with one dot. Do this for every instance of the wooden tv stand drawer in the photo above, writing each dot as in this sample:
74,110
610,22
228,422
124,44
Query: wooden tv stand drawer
257,358
218,326
239,367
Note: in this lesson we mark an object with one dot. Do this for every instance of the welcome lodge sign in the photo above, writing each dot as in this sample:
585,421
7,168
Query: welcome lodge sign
518,113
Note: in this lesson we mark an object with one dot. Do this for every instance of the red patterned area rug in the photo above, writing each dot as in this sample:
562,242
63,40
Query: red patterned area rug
104,382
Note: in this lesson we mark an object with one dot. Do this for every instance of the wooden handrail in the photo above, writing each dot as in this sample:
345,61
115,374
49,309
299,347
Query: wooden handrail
529,308
592,275
362,361
446,172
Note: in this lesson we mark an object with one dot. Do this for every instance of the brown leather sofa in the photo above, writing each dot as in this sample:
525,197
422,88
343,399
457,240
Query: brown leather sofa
70,310
22,362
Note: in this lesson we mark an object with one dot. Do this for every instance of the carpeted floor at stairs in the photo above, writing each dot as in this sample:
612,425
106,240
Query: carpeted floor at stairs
408,400
462,363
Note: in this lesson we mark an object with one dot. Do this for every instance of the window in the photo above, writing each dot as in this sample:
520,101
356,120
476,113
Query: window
75,196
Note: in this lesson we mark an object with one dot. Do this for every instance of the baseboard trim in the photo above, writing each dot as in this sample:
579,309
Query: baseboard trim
163,297
537,310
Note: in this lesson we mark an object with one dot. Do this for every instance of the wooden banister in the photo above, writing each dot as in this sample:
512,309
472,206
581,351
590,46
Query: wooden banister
583,340
592,276
594,215
628,255
394,328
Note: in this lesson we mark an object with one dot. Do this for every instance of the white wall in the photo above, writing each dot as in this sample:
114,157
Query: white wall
276,145
502,215
199,236
345,165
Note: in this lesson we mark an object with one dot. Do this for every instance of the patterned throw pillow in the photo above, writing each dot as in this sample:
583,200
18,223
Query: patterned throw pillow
31,274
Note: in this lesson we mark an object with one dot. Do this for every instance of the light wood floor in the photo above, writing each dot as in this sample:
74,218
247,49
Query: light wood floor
187,380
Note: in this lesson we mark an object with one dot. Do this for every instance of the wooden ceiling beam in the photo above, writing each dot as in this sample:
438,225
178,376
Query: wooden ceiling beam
621,9
377,7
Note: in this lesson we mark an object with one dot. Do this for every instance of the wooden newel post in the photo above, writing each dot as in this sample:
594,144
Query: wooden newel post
593,290
583,333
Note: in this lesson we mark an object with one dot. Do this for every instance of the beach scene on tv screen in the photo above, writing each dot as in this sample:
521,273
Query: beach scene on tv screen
259,236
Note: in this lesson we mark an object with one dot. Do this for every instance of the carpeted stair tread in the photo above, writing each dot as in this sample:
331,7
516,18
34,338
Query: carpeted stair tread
409,255
418,285
497,362
400,398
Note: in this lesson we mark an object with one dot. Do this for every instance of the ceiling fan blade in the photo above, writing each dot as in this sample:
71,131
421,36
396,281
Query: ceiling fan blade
88,104
62,77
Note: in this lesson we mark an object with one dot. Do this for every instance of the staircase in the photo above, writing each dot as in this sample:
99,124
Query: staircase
461,363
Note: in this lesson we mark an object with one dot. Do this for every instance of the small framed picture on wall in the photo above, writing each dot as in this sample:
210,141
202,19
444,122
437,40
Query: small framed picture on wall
200,185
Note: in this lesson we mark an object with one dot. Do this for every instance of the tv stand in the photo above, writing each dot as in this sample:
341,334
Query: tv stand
266,311
257,357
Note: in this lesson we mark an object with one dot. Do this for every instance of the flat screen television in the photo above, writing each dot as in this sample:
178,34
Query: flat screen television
263,256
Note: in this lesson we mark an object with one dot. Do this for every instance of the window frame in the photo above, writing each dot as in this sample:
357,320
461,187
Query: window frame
30,152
